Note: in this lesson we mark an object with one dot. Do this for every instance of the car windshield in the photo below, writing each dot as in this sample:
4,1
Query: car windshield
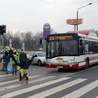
41,54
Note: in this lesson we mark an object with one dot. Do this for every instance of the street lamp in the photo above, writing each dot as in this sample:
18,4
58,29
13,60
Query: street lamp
77,12
23,43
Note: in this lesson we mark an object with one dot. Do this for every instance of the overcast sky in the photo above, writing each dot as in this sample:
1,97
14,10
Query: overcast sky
31,15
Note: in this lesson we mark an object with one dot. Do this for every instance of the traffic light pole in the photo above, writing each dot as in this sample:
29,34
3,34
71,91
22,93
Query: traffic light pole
1,40
2,31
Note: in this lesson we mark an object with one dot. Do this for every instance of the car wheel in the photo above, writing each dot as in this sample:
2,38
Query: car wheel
39,63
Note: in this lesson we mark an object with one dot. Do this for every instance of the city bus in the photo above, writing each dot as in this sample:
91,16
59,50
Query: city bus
72,50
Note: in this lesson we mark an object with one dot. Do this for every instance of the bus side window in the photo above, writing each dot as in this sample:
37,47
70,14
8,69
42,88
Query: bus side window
81,48
86,48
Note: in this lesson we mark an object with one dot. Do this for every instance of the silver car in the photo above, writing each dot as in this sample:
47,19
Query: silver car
39,57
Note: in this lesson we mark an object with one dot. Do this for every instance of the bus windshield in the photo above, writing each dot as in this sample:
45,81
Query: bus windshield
62,48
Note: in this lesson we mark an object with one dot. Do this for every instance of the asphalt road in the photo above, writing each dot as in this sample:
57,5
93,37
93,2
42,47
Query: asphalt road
51,83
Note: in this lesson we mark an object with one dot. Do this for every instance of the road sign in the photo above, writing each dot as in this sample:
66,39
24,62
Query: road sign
46,30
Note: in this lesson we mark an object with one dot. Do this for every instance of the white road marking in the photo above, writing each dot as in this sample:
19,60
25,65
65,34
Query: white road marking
15,80
57,89
25,90
5,75
83,90
17,85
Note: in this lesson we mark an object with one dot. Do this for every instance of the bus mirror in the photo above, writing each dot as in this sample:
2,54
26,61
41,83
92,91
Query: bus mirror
47,40
81,43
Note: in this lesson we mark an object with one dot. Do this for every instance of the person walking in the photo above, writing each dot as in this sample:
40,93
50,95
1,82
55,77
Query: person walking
5,59
2,53
10,52
12,56
14,64
23,59
17,53
23,56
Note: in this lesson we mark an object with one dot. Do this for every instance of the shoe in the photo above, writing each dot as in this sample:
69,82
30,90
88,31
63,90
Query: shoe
2,69
12,73
19,78
27,78
26,82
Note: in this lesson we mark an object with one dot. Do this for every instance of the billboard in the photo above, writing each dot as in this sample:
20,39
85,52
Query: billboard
74,21
46,30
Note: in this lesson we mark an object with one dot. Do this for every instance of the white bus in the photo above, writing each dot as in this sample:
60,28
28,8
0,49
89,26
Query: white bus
72,50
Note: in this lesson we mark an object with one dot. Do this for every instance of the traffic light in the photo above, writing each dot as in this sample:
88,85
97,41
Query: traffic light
2,29
40,41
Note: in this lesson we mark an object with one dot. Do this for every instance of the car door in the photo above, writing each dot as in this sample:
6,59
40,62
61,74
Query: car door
31,54
35,58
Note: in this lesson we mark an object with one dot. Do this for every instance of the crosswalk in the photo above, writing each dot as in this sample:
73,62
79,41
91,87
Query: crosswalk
41,86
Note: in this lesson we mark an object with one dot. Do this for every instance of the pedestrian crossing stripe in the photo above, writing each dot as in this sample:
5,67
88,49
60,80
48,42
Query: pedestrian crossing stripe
25,90
16,80
83,90
5,75
18,85
73,94
57,89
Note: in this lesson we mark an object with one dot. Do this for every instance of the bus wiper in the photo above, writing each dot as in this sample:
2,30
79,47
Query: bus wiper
66,53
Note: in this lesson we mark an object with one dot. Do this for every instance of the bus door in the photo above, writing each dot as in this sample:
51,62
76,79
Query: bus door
83,49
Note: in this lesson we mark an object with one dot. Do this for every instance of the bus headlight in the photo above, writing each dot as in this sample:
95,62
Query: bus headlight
48,61
70,65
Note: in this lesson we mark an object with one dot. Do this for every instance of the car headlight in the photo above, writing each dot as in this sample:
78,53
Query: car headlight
43,60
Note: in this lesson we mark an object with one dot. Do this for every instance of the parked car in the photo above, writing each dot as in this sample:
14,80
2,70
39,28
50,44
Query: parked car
30,54
39,57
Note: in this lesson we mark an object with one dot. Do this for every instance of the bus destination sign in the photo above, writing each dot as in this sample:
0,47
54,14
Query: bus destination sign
61,37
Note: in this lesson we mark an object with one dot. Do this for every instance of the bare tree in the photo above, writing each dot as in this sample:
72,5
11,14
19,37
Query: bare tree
16,42
31,41
28,40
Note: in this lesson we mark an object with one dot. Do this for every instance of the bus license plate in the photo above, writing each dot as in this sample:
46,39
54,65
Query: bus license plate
60,66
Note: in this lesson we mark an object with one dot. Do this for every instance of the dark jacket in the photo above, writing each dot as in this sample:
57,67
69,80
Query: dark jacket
25,64
23,57
10,52
6,57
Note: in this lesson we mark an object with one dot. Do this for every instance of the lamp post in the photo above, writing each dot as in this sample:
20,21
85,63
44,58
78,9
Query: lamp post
81,8
23,43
